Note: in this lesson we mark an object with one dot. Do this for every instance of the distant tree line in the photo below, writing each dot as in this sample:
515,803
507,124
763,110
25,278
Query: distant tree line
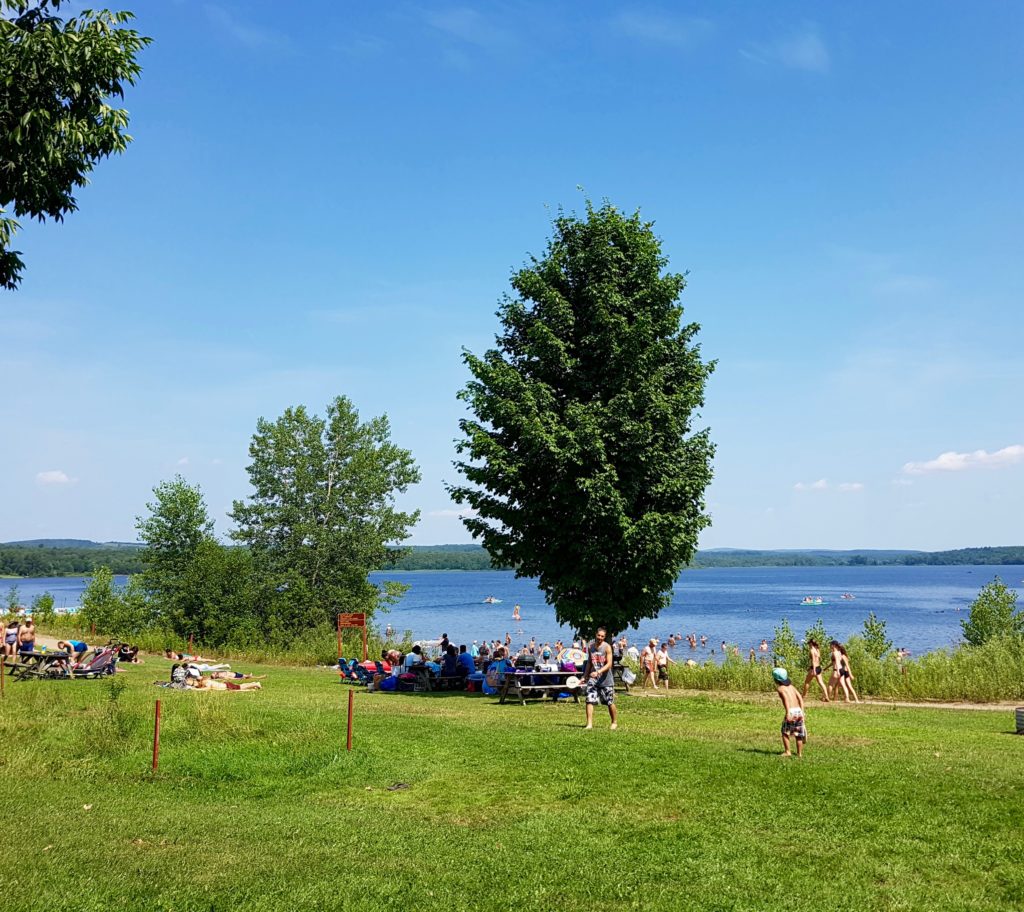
991,556
1005,555
38,561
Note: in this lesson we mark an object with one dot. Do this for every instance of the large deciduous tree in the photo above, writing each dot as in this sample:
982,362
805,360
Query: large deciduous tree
175,530
56,79
582,465
322,511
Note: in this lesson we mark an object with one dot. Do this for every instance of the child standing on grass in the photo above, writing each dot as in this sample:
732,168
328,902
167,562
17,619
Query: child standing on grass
793,722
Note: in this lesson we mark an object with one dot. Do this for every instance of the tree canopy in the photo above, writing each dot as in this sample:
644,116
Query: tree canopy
581,463
322,511
56,79
177,527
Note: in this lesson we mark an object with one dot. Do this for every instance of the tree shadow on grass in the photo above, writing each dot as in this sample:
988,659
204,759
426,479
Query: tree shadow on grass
759,750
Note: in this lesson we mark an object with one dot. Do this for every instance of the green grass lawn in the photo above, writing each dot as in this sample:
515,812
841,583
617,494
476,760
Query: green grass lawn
258,806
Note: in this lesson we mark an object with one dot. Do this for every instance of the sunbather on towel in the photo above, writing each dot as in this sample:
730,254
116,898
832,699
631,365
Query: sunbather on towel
210,684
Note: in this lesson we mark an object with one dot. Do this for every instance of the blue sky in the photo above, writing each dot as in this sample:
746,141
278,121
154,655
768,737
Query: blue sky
329,199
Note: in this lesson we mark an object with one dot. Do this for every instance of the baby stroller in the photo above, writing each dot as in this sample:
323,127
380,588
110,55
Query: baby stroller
103,662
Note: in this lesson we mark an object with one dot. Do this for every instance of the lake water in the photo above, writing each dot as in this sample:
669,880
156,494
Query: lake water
922,606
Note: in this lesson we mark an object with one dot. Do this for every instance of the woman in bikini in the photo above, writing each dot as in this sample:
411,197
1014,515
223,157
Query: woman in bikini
837,663
814,671
846,677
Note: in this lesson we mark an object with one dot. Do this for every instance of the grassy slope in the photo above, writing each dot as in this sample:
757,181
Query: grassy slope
258,806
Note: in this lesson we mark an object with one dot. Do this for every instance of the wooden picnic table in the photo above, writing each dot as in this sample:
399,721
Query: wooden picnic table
424,677
528,683
36,664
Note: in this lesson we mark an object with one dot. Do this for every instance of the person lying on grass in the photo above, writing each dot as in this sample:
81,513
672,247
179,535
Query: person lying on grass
195,679
793,721
210,684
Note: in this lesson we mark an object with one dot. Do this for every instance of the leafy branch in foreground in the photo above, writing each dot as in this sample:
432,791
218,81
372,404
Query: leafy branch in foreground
56,78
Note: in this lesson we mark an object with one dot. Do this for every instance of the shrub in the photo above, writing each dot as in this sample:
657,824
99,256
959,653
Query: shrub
785,649
875,640
993,614
42,609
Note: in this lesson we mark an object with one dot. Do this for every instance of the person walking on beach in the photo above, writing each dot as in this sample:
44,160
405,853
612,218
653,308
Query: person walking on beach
814,670
664,660
836,657
846,676
598,676
649,664
793,723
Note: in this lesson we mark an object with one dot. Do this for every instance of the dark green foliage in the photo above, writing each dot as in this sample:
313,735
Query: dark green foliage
176,526
17,560
876,642
56,79
581,462
42,608
786,651
820,635
118,611
1004,555
322,512
472,557
993,614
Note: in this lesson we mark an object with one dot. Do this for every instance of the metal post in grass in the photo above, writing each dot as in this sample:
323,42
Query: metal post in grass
351,704
156,737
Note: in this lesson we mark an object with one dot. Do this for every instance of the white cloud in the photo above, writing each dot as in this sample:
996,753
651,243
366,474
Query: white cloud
250,36
183,461
54,477
802,50
661,28
820,485
959,462
468,25
449,513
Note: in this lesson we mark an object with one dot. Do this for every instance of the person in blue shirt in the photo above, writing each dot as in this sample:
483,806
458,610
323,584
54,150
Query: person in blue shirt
474,650
466,665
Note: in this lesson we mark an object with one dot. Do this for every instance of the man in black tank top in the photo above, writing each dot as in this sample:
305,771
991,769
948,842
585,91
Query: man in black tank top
598,677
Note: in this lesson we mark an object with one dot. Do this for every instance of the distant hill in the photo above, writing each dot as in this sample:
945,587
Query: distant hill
70,556
67,543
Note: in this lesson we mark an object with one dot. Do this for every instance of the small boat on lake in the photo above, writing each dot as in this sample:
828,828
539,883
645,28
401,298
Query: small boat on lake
491,600
847,596
812,600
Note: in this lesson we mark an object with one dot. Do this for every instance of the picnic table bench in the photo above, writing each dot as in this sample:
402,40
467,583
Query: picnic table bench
617,678
36,664
528,684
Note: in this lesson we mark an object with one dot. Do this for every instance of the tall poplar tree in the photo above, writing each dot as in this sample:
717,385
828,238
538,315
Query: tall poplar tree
322,514
581,463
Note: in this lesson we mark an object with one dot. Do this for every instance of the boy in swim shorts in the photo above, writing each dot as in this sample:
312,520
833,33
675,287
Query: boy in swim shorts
793,724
